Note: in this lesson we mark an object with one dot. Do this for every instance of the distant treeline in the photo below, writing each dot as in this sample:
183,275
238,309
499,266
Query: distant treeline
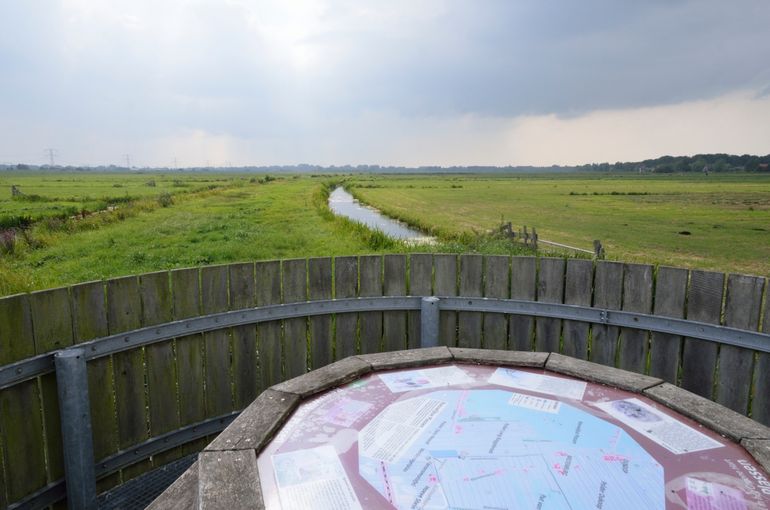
680,164
663,165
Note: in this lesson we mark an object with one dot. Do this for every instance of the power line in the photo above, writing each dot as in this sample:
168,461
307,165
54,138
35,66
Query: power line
128,160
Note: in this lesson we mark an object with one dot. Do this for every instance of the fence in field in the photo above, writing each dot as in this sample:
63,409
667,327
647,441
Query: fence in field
532,240
172,356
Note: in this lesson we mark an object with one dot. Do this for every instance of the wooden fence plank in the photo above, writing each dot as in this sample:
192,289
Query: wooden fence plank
471,285
124,312
295,330
23,441
445,274
394,284
90,321
157,307
89,315
51,319
608,292
420,284
760,405
577,291
192,298
699,357
370,285
637,297
550,289
742,311
21,420
268,277
52,327
320,287
496,285
16,339
214,298
670,293
345,324
243,294
523,286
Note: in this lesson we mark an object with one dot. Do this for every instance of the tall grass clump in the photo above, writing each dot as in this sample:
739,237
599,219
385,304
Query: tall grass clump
7,241
165,199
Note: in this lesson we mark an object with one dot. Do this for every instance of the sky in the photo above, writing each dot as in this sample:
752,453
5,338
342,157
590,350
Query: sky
390,82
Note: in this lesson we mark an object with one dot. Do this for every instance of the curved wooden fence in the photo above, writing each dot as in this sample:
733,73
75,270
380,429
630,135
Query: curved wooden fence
173,356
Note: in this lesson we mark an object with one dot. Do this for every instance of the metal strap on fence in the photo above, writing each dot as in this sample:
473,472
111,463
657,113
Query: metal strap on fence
32,367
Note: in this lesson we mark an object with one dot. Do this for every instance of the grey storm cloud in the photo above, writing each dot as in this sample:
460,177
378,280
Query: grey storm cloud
259,69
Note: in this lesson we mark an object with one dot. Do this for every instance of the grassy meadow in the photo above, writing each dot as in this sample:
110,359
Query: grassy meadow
89,226
717,221
239,219
51,194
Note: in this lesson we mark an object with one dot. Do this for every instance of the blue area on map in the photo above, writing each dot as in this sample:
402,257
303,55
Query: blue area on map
441,454
482,452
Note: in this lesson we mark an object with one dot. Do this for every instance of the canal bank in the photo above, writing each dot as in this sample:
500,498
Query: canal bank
344,204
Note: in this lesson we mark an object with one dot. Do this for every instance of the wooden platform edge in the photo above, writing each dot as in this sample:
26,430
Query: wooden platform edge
715,416
180,495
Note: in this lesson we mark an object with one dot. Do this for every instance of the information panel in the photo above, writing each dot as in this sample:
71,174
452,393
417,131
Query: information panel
480,438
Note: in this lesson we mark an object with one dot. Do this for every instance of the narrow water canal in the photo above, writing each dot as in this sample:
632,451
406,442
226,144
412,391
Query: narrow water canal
342,203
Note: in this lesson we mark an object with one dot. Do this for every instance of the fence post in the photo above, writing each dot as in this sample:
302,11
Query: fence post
74,409
598,249
429,322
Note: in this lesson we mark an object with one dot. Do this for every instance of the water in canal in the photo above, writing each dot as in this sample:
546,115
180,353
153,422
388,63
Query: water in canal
342,203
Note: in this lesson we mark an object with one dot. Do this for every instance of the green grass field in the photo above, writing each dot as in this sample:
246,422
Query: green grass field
59,193
241,220
222,218
638,218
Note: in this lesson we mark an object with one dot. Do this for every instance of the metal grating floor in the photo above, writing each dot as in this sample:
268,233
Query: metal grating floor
136,494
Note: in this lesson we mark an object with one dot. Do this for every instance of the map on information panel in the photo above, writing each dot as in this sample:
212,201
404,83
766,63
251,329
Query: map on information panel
482,438
480,449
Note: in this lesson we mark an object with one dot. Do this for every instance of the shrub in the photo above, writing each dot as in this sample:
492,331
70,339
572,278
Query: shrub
54,223
165,199
9,222
150,183
137,257
29,198
32,242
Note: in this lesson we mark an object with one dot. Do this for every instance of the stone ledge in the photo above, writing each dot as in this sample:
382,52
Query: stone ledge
226,474
602,374
760,450
258,423
408,358
180,495
715,416
229,480
499,357
320,379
